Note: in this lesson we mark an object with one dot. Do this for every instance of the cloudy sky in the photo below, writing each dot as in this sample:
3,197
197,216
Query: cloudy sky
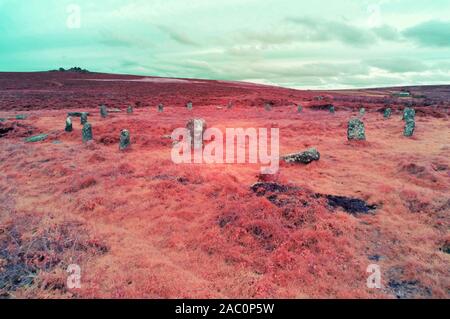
294,43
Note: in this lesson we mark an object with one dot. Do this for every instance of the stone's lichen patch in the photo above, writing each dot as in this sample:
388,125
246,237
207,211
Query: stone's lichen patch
305,157
356,130
410,126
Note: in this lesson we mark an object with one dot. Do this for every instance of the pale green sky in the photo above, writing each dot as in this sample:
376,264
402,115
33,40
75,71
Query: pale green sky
302,44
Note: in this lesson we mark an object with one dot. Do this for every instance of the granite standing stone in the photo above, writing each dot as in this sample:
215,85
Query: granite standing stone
387,113
68,124
130,109
189,105
356,130
196,129
83,118
87,132
161,107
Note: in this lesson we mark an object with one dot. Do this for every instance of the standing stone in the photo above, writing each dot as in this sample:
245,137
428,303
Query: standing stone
387,113
332,109
230,105
103,111
68,124
189,105
83,118
268,106
124,140
197,128
409,114
362,111
87,132
129,109
299,108
410,125
356,130
161,107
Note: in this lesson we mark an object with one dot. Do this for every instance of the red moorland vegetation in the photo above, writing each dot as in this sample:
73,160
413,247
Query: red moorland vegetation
142,226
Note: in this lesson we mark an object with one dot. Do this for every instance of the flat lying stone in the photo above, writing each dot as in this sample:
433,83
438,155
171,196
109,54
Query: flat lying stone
305,157
37,138
21,117
77,114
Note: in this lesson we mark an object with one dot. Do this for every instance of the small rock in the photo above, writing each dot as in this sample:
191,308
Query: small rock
189,105
87,132
83,118
68,124
161,107
356,130
103,111
305,157
124,140
37,138
130,109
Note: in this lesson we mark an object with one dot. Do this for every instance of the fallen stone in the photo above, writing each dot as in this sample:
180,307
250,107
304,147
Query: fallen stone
305,157
87,132
124,140
21,117
76,114
37,138
69,127
103,111
83,118
197,128
356,130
